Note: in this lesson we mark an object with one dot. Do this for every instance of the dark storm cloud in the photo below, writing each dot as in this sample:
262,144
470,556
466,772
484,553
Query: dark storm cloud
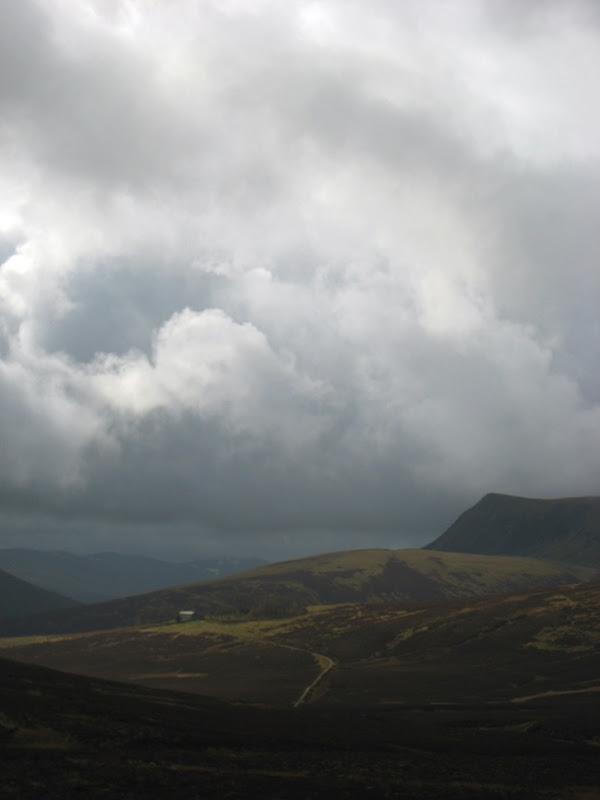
310,277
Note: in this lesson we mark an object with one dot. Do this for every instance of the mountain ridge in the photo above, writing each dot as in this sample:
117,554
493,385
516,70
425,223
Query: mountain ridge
560,529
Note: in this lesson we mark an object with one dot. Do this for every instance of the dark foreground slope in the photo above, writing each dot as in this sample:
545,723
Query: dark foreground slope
64,737
566,529
280,589
19,598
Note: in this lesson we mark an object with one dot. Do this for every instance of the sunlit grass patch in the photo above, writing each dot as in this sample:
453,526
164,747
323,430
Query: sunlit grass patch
566,638
20,641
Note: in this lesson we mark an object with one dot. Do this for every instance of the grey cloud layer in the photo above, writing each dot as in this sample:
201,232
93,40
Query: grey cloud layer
319,269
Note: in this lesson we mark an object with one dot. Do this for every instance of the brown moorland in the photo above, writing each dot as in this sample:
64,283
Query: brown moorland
282,589
65,736
496,648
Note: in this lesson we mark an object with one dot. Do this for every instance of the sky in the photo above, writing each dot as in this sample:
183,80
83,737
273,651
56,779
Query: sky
285,277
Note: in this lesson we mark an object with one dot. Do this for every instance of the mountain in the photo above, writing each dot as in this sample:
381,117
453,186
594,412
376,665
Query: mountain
404,576
19,598
105,576
566,529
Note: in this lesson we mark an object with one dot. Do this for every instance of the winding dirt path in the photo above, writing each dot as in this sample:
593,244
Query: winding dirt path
326,663
328,666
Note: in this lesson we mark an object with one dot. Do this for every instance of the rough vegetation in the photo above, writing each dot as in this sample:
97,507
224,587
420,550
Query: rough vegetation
352,576
64,736
499,648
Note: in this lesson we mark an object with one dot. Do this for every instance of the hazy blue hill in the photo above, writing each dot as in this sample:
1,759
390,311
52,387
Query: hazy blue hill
105,576
19,598
566,529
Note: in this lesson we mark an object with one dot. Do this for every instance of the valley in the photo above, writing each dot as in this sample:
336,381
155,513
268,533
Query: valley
370,673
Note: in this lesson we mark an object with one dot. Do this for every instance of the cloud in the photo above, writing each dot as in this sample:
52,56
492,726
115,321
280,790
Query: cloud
321,274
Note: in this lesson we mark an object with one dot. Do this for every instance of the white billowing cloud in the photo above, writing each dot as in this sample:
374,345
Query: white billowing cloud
206,364
46,425
301,267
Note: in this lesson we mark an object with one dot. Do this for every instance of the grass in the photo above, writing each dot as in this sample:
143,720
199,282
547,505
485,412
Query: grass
240,629
22,641
490,696
364,561
245,630
280,589
494,647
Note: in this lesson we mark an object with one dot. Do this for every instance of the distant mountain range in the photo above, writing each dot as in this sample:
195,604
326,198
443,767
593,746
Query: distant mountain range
19,598
405,576
565,530
105,576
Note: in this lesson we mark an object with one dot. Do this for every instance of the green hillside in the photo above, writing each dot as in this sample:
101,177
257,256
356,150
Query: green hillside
279,590
566,529
467,650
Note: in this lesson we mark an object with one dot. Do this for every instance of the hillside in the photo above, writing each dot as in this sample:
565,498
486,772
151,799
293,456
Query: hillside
104,576
404,576
19,598
566,529
504,648
64,736
468,650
